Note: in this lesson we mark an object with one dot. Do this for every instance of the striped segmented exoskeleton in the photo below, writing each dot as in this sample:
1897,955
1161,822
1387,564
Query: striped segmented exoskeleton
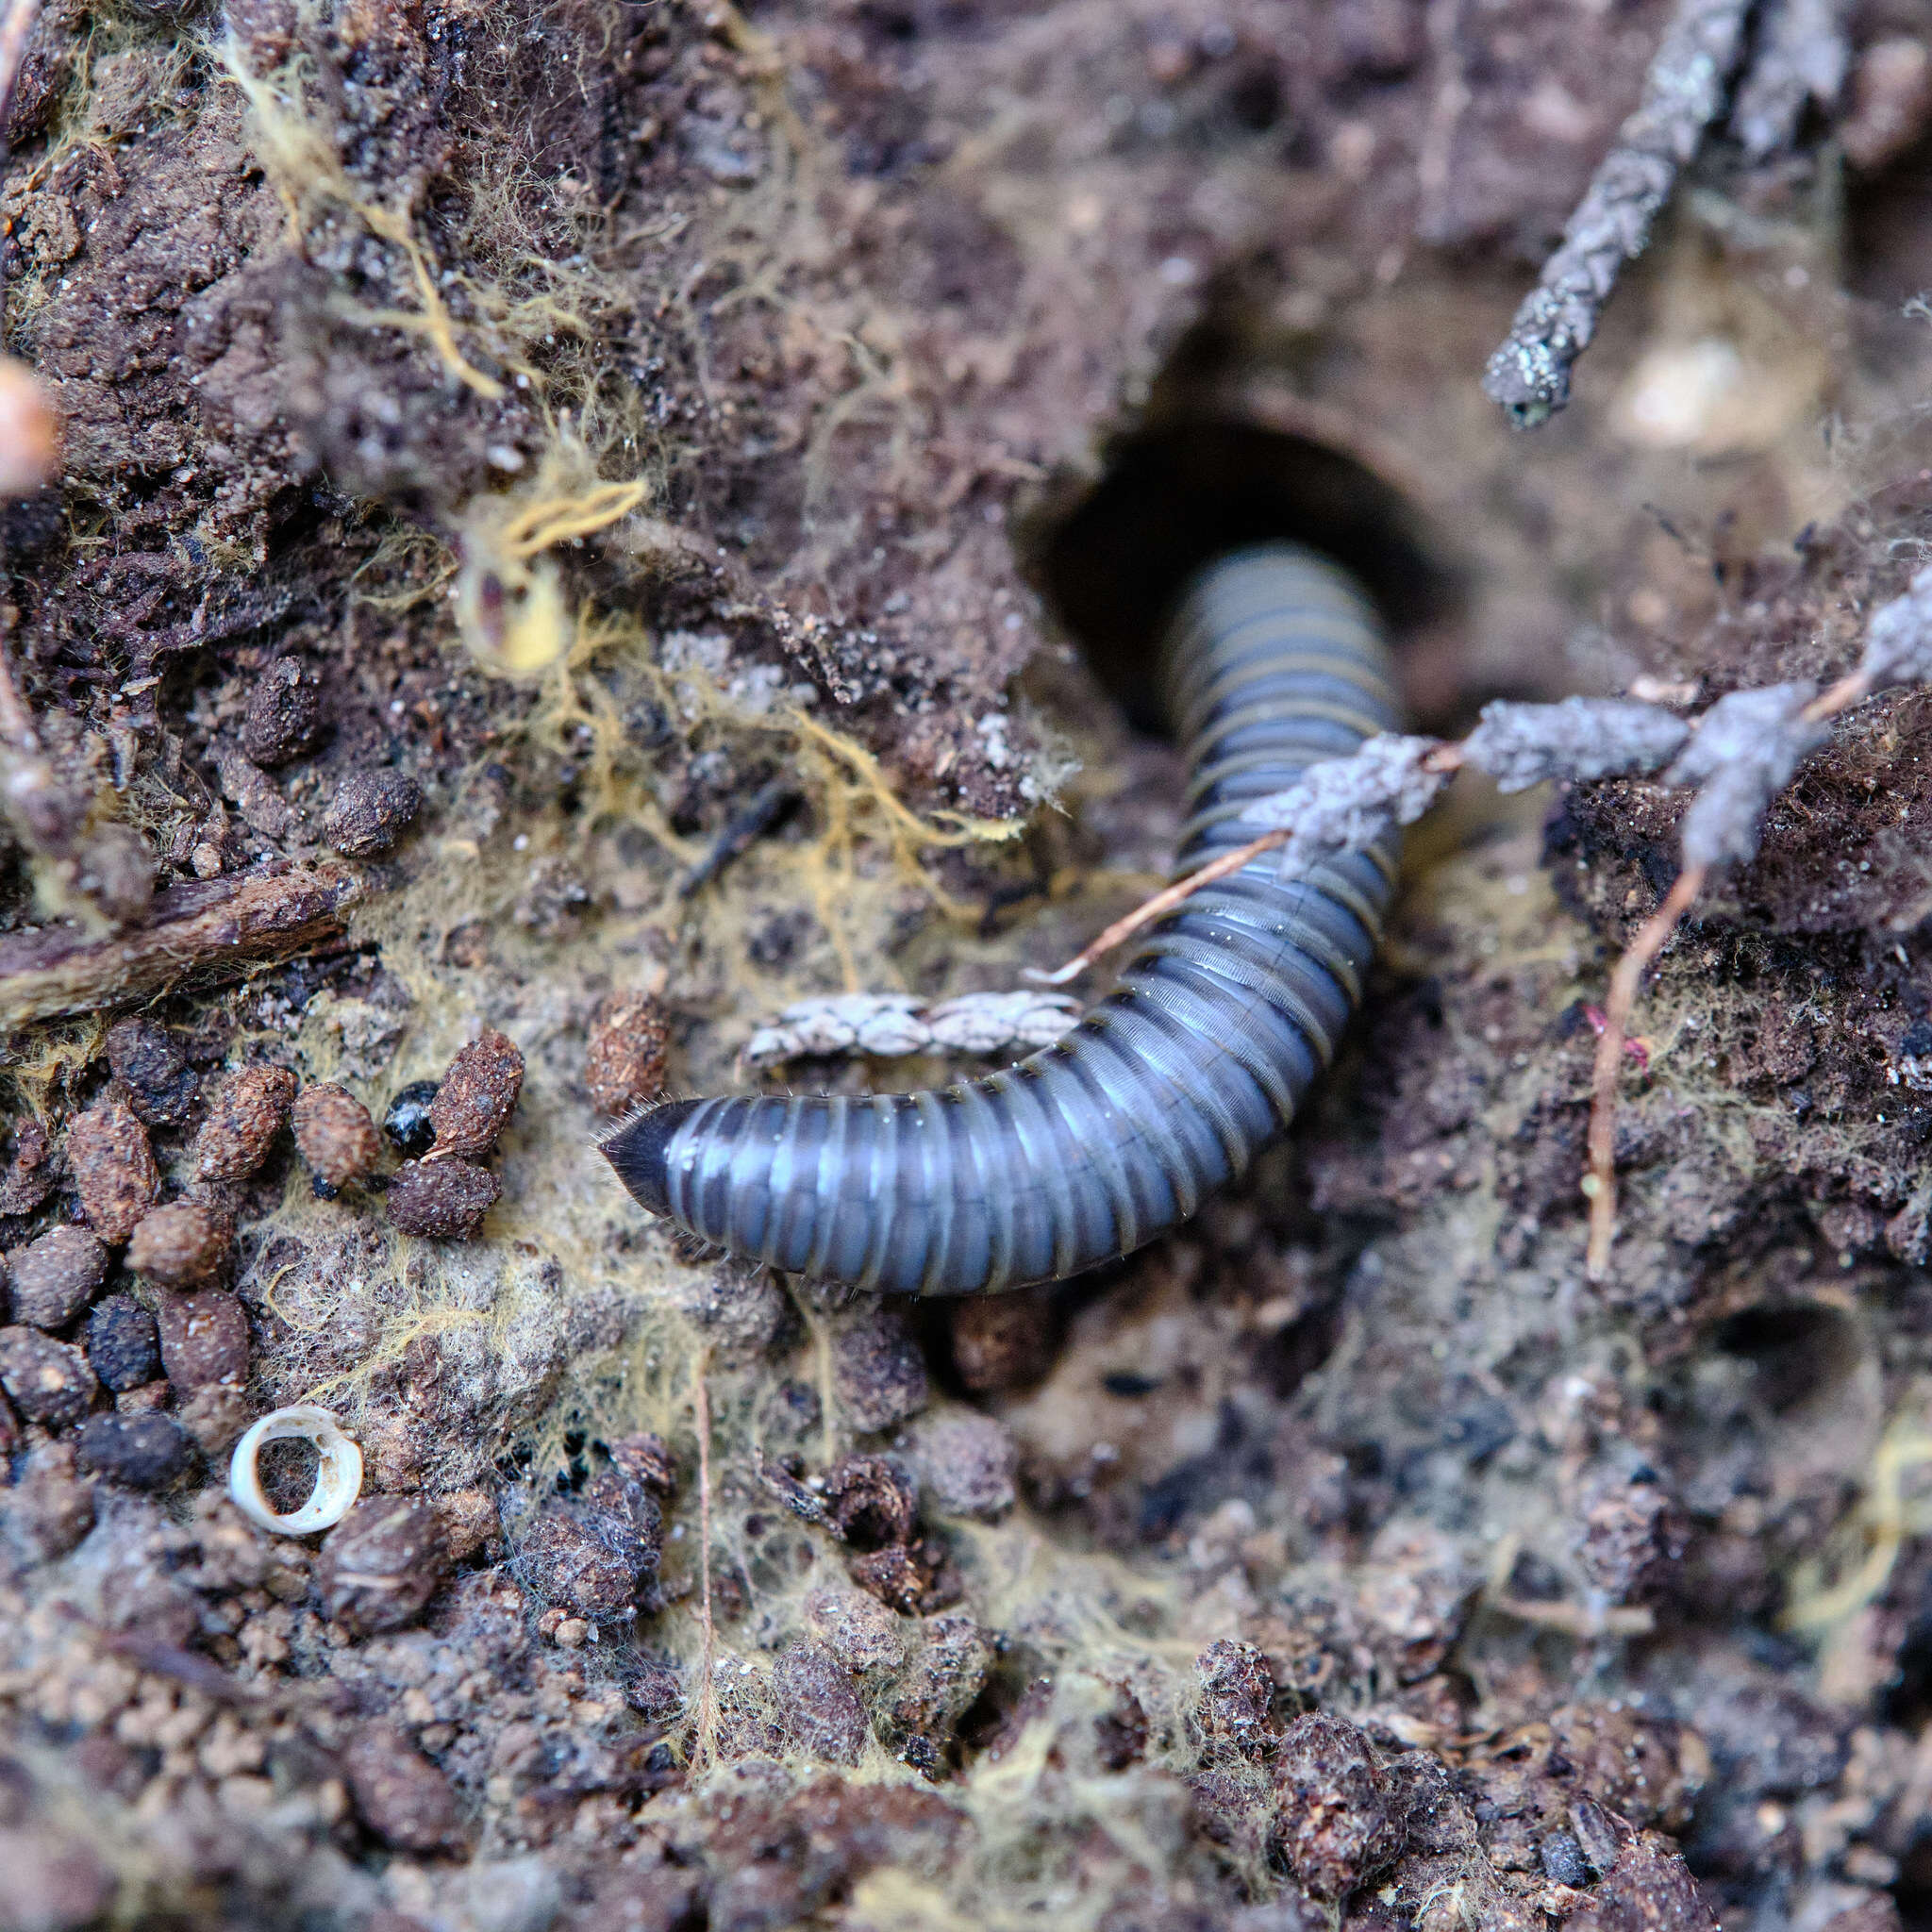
1164,1091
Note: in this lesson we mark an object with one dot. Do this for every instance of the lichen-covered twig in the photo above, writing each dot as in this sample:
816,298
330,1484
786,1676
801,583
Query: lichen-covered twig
1802,56
200,931
1529,376
890,1026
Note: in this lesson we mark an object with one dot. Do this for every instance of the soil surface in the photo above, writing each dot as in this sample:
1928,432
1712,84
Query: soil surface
580,524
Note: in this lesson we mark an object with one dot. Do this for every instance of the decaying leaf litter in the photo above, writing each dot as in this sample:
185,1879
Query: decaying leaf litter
1352,1542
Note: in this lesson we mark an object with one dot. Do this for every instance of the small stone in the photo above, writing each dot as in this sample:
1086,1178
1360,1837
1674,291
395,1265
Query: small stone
284,714
1560,1855
381,1564
399,1794
406,1122
1003,1341
646,1460
49,1509
29,1178
161,1084
1337,1822
55,1277
113,1168
1235,1714
369,812
1649,1889
180,1244
866,1638
1632,1539
625,1064
876,1367
477,1095
821,1711
590,1559
444,1200
470,1520
49,1382
141,1452
914,1578
55,1882
939,1687
740,1309
246,1114
123,1344
872,1502
965,1462
335,1134
204,1342
215,1416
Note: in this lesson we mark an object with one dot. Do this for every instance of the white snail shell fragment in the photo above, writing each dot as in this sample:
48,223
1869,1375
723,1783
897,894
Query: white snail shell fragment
338,1474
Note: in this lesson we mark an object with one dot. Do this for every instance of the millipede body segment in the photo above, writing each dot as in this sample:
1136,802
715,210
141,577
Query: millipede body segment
1164,1091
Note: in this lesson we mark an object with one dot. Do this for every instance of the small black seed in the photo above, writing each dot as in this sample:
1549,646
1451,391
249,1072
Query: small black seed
123,1344
407,1123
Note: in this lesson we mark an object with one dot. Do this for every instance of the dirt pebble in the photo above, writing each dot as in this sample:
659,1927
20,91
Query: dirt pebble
381,1564
1235,1713
335,1134
204,1342
180,1244
369,812
477,1095
53,1278
876,1367
444,1200
113,1168
1002,1341
149,1063
399,1794
49,1382
140,1452
965,1462
623,1066
248,1111
823,1716
284,714
124,1344
591,1556
1337,1821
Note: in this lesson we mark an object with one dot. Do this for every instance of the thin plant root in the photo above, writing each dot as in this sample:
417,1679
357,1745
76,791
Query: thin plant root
705,1750
1158,907
1600,1183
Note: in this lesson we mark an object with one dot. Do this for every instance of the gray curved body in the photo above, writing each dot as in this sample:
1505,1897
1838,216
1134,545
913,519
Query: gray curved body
1163,1092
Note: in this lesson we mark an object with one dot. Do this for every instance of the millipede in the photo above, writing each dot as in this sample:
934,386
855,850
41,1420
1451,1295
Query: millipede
1164,1091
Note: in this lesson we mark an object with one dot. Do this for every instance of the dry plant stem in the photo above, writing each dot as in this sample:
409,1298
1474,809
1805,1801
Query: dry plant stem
1841,696
201,931
1578,1619
16,722
1529,376
1602,1183
708,1699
